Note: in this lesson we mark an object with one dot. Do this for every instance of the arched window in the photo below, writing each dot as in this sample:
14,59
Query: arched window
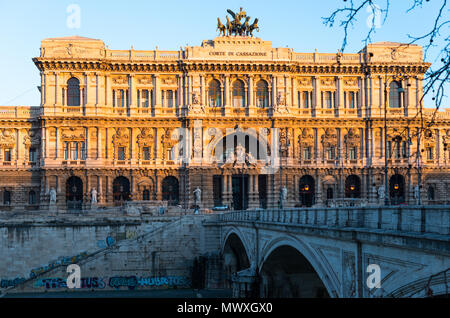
262,94
215,96
73,92
238,94
32,197
394,94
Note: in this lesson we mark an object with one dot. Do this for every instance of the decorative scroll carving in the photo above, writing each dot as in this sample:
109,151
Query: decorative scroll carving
7,138
73,134
121,138
352,138
120,80
329,139
32,137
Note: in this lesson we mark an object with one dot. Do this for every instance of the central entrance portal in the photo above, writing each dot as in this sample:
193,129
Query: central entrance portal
240,191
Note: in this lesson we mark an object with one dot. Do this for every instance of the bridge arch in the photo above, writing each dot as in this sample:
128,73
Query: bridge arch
235,254
292,261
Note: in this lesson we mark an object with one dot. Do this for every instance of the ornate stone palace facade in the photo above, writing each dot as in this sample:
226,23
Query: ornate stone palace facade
120,120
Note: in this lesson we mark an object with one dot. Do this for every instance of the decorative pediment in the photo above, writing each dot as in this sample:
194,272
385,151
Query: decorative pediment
429,138
147,80
32,137
120,80
351,137
327,82
170,80
7,138
305,81
73,134
306,138
350,82
146,138
167,141
329,138
121,138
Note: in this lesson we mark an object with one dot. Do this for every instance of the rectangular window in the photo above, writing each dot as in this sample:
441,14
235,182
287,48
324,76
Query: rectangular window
389,149
7,155
305,99
32,155
74,151
146,153
307,153
114,98
353,153
83,151
169,98
330,153
163,98
144,98
404,149
429,153
397,150
327,99
121,153
66,150
351,100
170,154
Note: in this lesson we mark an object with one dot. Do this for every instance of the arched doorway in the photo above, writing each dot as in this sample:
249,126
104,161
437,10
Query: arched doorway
170,190
397,189
74,193
353,187
235,258
121,190
307,190
287,273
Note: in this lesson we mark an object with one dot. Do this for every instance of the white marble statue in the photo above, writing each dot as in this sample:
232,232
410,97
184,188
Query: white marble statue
381,192
93,195
198,196
284,193
52,196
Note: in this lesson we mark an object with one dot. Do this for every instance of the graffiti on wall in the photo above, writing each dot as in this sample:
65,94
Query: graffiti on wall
57,283
62,261
5,283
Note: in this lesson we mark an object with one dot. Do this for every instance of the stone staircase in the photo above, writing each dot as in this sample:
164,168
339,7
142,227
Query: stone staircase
160,258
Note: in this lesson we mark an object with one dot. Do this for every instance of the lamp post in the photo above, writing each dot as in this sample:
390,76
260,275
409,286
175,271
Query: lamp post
386,193
285,149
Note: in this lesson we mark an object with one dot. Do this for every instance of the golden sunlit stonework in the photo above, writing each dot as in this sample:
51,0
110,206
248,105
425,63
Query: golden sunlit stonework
111,121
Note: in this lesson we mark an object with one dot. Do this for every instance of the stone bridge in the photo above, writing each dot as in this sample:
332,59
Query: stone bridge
326,252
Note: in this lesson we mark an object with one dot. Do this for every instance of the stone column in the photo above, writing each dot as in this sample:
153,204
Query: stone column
295,93
274,91
227,95
156,94
58,145
316,96
340,92
250,92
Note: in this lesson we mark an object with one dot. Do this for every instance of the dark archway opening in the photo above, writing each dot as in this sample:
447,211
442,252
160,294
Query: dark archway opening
74,193
307,191
121,190
353,187
170,190
235,259
397,189
287,273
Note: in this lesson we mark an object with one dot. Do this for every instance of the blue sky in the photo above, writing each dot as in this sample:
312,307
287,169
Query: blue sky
170,24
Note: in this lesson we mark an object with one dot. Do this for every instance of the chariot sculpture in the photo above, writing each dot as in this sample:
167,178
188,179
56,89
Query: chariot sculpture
239,26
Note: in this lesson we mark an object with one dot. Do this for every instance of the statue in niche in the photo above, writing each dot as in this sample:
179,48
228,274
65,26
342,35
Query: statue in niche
52,196
93,195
